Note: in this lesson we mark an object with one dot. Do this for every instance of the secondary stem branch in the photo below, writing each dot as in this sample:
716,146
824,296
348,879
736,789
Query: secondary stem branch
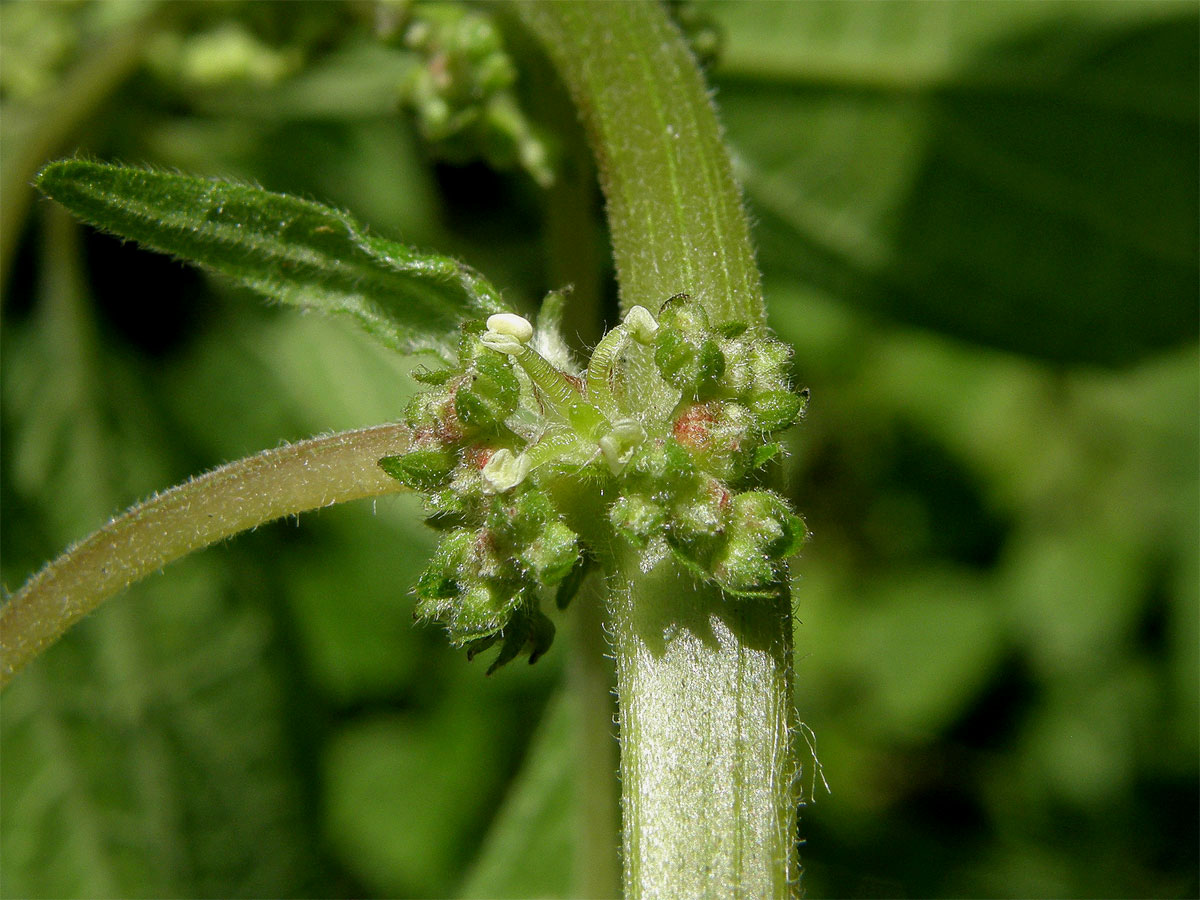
234,498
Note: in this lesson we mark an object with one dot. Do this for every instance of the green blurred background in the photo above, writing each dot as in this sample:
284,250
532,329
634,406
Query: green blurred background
977,224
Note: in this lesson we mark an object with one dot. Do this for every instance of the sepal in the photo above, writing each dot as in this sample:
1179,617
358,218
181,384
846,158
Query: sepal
569,586
421,470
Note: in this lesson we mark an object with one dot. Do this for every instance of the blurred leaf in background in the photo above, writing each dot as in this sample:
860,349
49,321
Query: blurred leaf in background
978,225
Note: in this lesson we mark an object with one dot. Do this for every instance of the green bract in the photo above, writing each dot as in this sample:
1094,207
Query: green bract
534,470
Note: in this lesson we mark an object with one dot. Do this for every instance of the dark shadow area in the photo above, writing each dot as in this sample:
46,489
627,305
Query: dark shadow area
1054,212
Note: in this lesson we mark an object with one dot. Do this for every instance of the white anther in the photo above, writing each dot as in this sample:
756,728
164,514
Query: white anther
511,324
504,471
641,324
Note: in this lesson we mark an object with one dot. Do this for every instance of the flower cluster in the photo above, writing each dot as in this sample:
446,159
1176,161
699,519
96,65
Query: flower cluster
659,443
463,92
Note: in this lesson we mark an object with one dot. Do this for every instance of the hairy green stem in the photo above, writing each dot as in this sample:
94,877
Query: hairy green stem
707,770
233,498
704,682
673,206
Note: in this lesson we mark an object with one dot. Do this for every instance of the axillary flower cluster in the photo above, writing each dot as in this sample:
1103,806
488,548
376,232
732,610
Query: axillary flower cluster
535,469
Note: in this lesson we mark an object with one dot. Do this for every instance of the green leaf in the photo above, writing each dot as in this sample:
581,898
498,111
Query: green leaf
529,851
1019,175
150,752
290,250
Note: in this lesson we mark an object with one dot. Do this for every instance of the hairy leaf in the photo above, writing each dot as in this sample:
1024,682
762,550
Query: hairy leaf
290,250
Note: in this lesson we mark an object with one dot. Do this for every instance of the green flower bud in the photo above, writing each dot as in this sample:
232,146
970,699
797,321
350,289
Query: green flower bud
775,410
466,586
432,417
677,465
485,607
489,393
551,556
525,516
743,569
770,362
493,379
719,437
770,517
739,370
697,521
637,518
475,412
442,578
494,73
693,366
762,531
651,463
684,315
673,353
532,538
463,96
684,352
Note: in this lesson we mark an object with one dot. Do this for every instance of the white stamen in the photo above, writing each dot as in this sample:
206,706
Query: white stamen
503,343
512,324
640,324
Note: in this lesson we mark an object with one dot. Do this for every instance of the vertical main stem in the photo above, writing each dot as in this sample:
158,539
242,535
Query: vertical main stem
674,208
707,768
703,680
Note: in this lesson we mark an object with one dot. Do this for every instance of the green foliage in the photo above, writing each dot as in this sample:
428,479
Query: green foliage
289,250
998,648
1019,176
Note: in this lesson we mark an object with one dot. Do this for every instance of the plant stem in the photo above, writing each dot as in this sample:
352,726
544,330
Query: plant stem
673,206
704,681
236,497
707,769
